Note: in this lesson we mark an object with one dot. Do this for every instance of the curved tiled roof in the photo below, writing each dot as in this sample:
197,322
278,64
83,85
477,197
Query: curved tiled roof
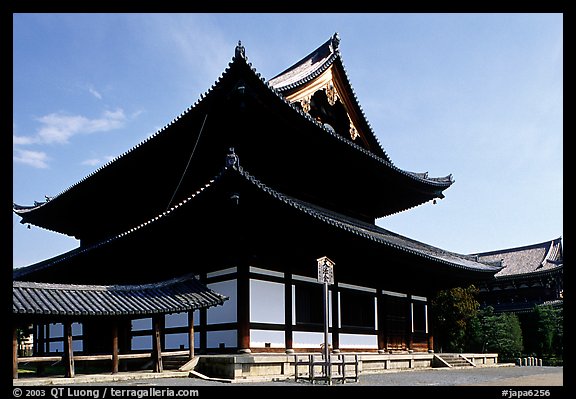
357,227
177,295
537,258
432,186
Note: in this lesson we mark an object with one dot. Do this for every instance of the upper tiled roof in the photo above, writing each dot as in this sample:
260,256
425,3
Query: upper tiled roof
534,258
172,296
307,68
66,212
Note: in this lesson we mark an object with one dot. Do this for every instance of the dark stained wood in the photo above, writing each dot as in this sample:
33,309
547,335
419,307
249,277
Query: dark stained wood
191,333
14,353
381,314
335,318
409,322
288,332
157,344
68,351
115,352
243,311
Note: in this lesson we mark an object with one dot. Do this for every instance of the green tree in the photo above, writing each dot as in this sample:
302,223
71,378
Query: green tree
549,330
500,333
452,310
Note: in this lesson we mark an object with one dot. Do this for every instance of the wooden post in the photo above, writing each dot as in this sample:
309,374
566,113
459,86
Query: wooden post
288,331
429,332
243,309
191,332
157,344
41,346
381,314
115,358
14,353
335,318
409,323
68,351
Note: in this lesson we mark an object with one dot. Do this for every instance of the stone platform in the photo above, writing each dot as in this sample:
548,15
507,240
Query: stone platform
276,365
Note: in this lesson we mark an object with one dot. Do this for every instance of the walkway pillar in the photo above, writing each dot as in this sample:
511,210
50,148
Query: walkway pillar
191,332
14,353
68,351
157,343
115,357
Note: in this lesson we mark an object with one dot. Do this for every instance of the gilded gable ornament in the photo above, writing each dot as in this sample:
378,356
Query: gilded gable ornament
331,93
353,132
305,103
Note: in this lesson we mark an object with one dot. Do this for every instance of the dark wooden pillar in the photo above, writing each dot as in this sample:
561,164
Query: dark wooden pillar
115,358
381,314
203,335
243,310
203,330
409,323
124,341
288,330
191,332
68,351
429,331
335,318
41,346
157,343
14,352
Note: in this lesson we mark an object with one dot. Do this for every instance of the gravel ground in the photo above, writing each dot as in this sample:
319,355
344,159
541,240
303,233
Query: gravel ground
485,376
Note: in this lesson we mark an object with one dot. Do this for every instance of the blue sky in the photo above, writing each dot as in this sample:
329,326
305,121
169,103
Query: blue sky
478,96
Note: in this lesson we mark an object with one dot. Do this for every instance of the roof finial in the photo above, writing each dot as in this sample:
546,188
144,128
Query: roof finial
335,41
232,159
240,51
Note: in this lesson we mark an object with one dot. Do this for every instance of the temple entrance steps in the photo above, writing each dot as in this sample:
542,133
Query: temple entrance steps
451,360
175,362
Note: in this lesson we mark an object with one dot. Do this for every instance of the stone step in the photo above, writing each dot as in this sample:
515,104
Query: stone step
455,361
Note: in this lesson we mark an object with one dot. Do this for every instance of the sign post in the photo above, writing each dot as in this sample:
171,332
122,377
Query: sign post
326,276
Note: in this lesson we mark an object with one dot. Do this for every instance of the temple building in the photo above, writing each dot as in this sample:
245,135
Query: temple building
531,275
231,204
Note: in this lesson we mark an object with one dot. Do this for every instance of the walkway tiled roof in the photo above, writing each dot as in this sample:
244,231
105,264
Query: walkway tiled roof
545,256
177,295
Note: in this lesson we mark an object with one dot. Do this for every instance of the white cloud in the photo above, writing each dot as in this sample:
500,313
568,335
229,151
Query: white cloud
94,92
22,140
59,128
36,159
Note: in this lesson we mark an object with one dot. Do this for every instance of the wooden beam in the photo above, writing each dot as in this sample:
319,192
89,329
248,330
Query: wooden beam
115,352
191,332
68,351
14,353
157,344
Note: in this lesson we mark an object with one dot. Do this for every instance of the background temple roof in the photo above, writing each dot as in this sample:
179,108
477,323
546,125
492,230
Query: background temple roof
544,256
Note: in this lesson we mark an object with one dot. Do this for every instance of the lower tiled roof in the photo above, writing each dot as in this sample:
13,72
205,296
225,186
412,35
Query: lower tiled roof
176,295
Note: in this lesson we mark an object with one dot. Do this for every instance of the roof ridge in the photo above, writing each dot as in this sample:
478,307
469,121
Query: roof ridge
520,248
104,287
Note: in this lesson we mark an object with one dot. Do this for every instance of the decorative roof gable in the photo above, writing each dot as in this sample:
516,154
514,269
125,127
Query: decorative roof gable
319,85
